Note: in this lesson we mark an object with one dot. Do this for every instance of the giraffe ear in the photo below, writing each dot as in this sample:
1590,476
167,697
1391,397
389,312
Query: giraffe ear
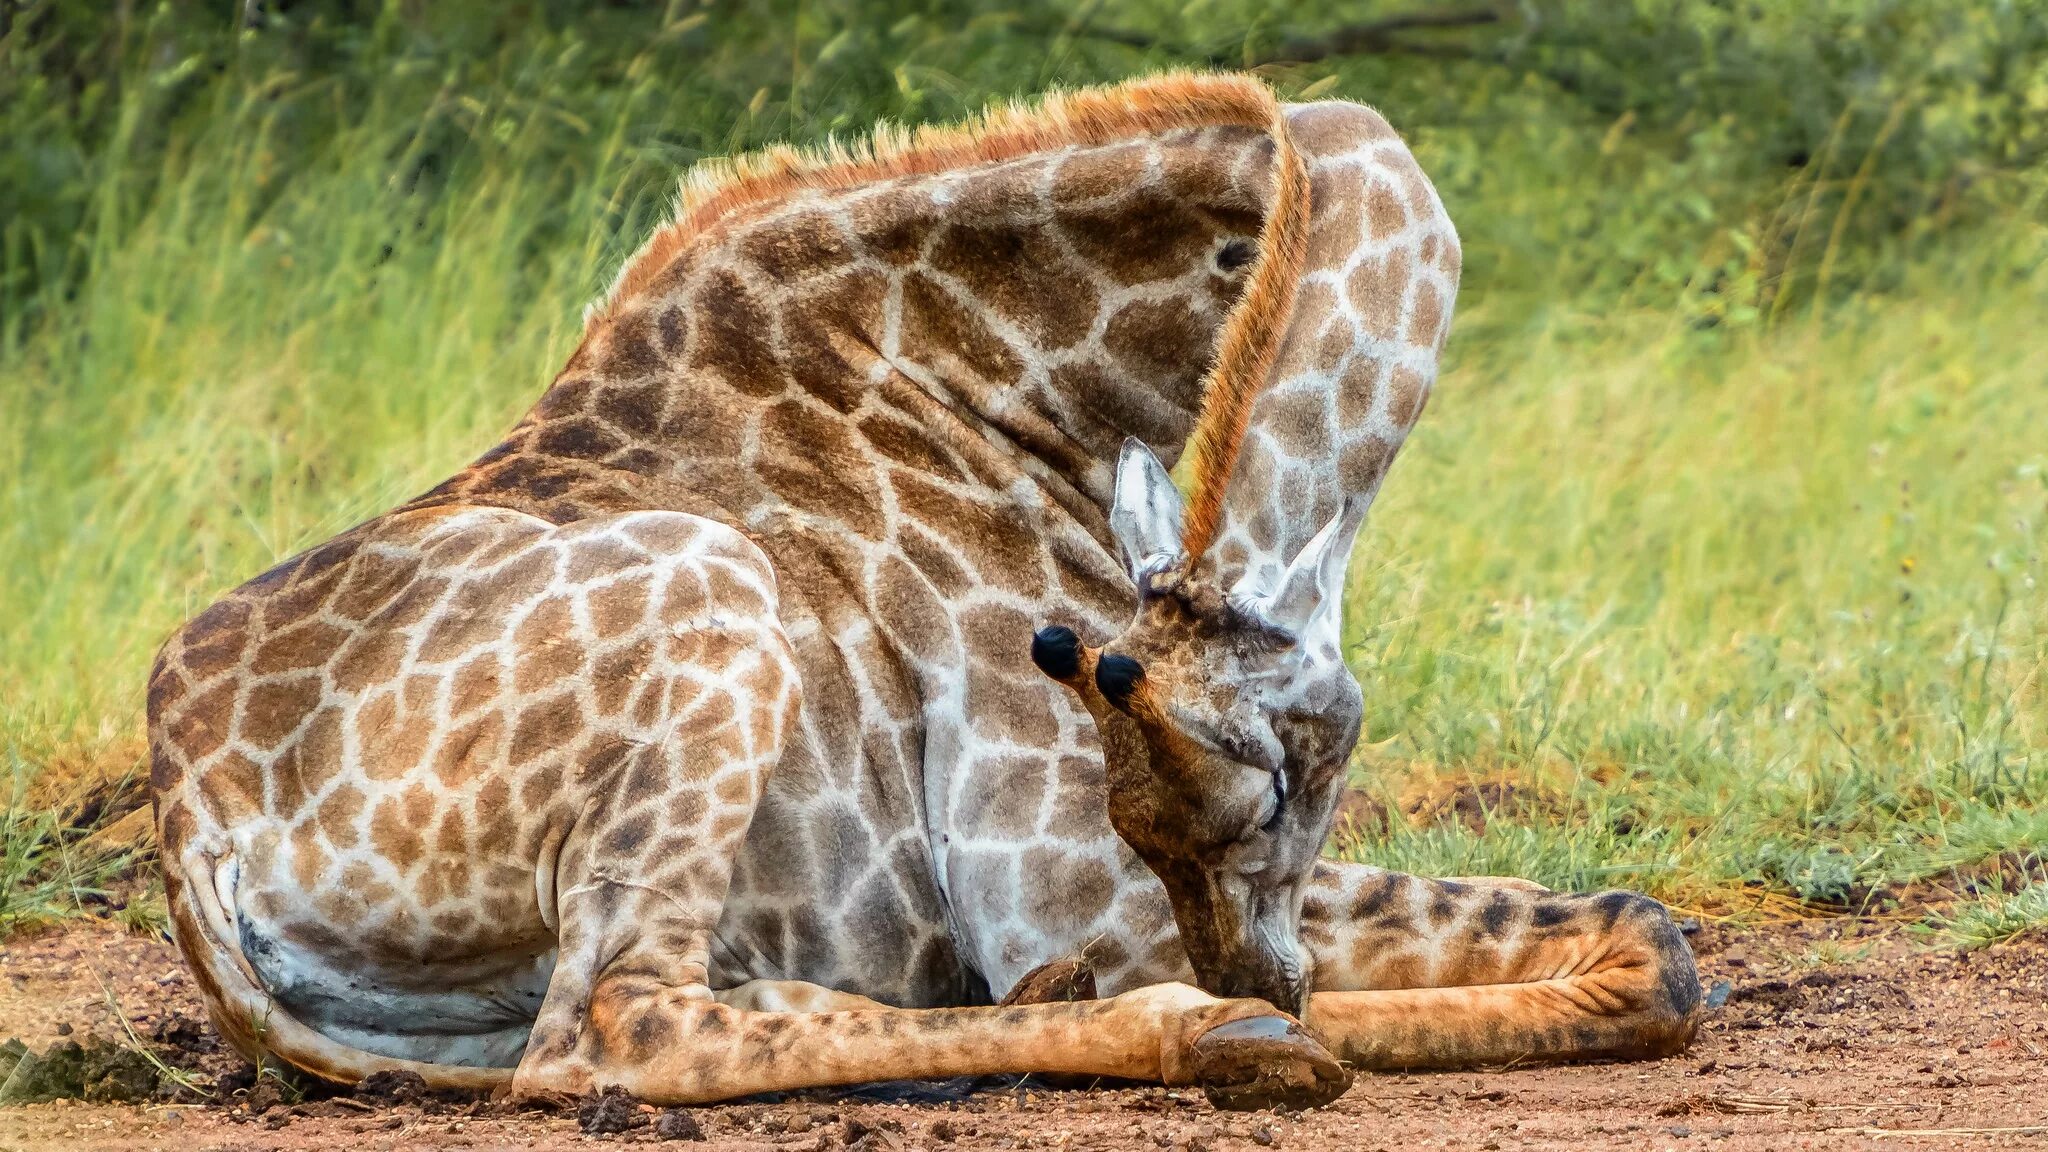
1311,592
1145,517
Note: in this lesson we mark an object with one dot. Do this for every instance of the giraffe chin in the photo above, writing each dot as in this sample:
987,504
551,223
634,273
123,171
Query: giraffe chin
1238,949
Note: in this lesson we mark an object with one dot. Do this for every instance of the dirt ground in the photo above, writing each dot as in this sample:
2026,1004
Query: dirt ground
1835,1034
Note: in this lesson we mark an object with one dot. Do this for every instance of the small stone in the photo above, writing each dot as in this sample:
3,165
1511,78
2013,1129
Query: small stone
678,1124
395,1087
610,1112
943,1131
1679,1130
64,1029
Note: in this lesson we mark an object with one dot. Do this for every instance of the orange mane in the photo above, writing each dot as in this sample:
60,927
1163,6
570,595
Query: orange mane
1251,336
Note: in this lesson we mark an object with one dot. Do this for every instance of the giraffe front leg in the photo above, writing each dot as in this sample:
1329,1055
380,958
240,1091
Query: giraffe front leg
1419,973
673,1044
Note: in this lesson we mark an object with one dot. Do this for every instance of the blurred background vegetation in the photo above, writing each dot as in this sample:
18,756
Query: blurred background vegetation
1715,569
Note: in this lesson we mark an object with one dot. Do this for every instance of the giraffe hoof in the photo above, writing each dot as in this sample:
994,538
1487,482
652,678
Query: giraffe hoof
1266,1062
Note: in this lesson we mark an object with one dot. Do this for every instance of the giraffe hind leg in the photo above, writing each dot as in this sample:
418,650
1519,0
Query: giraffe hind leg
1418,973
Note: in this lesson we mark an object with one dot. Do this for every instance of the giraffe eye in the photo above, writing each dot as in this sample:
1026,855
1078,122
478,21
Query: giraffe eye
1235,255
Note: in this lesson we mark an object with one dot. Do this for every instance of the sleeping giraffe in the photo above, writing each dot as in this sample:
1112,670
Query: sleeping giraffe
690,739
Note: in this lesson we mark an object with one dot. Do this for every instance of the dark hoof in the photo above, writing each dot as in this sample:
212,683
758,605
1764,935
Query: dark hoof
1267,1062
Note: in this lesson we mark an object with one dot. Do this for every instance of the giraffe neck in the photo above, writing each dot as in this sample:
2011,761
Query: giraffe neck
1053,304
1361,354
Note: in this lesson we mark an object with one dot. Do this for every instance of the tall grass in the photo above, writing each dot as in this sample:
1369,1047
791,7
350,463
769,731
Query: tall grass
1744,585
1760,609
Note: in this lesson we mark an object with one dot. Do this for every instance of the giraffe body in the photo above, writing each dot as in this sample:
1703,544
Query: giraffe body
685,740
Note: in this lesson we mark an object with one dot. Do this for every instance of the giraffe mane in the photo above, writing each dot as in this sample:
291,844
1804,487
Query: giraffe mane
718,188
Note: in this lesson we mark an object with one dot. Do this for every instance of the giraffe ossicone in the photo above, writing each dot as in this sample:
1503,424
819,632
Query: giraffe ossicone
686,740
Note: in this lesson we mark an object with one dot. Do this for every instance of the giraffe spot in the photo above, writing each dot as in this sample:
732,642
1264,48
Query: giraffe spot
337,816
307,583
232,788
1358,390
1425,321
474,685
992,538
1363,463
1145,238
1299,419
496,820
1376,289
1406,399
815,464
929,555
732,591
454,928
370,657
631,350
393,837
213,642
1103,406
733,340
827,337
570,394
1008,795
1385,213
1013,268
673,324
1082,796
548,649
615,674
373,579
545,726
1066,892
1201,168
274,708
891,225
1164,343
906,444
687,808
953,342
634,409
1336,215
1099,173
786,249
309,856
470,750
313,760
200,727
625,840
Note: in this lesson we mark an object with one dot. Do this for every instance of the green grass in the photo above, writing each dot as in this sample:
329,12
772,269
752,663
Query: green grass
1997,918
1736,572
1766,609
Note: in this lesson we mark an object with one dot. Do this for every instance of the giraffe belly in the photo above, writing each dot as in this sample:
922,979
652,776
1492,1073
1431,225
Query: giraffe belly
384,977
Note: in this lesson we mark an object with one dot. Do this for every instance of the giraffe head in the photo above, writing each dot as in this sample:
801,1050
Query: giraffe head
1226,717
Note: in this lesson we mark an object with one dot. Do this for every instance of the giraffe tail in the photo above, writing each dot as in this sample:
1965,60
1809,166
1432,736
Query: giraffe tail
198,886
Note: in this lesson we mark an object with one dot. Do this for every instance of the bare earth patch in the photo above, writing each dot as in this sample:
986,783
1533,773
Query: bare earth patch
1836,1034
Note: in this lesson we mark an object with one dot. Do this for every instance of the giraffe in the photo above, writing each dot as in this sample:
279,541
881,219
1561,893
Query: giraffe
688,739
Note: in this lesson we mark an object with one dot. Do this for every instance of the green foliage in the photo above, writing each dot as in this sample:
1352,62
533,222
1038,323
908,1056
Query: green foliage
44,874
1997,918
1724,532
